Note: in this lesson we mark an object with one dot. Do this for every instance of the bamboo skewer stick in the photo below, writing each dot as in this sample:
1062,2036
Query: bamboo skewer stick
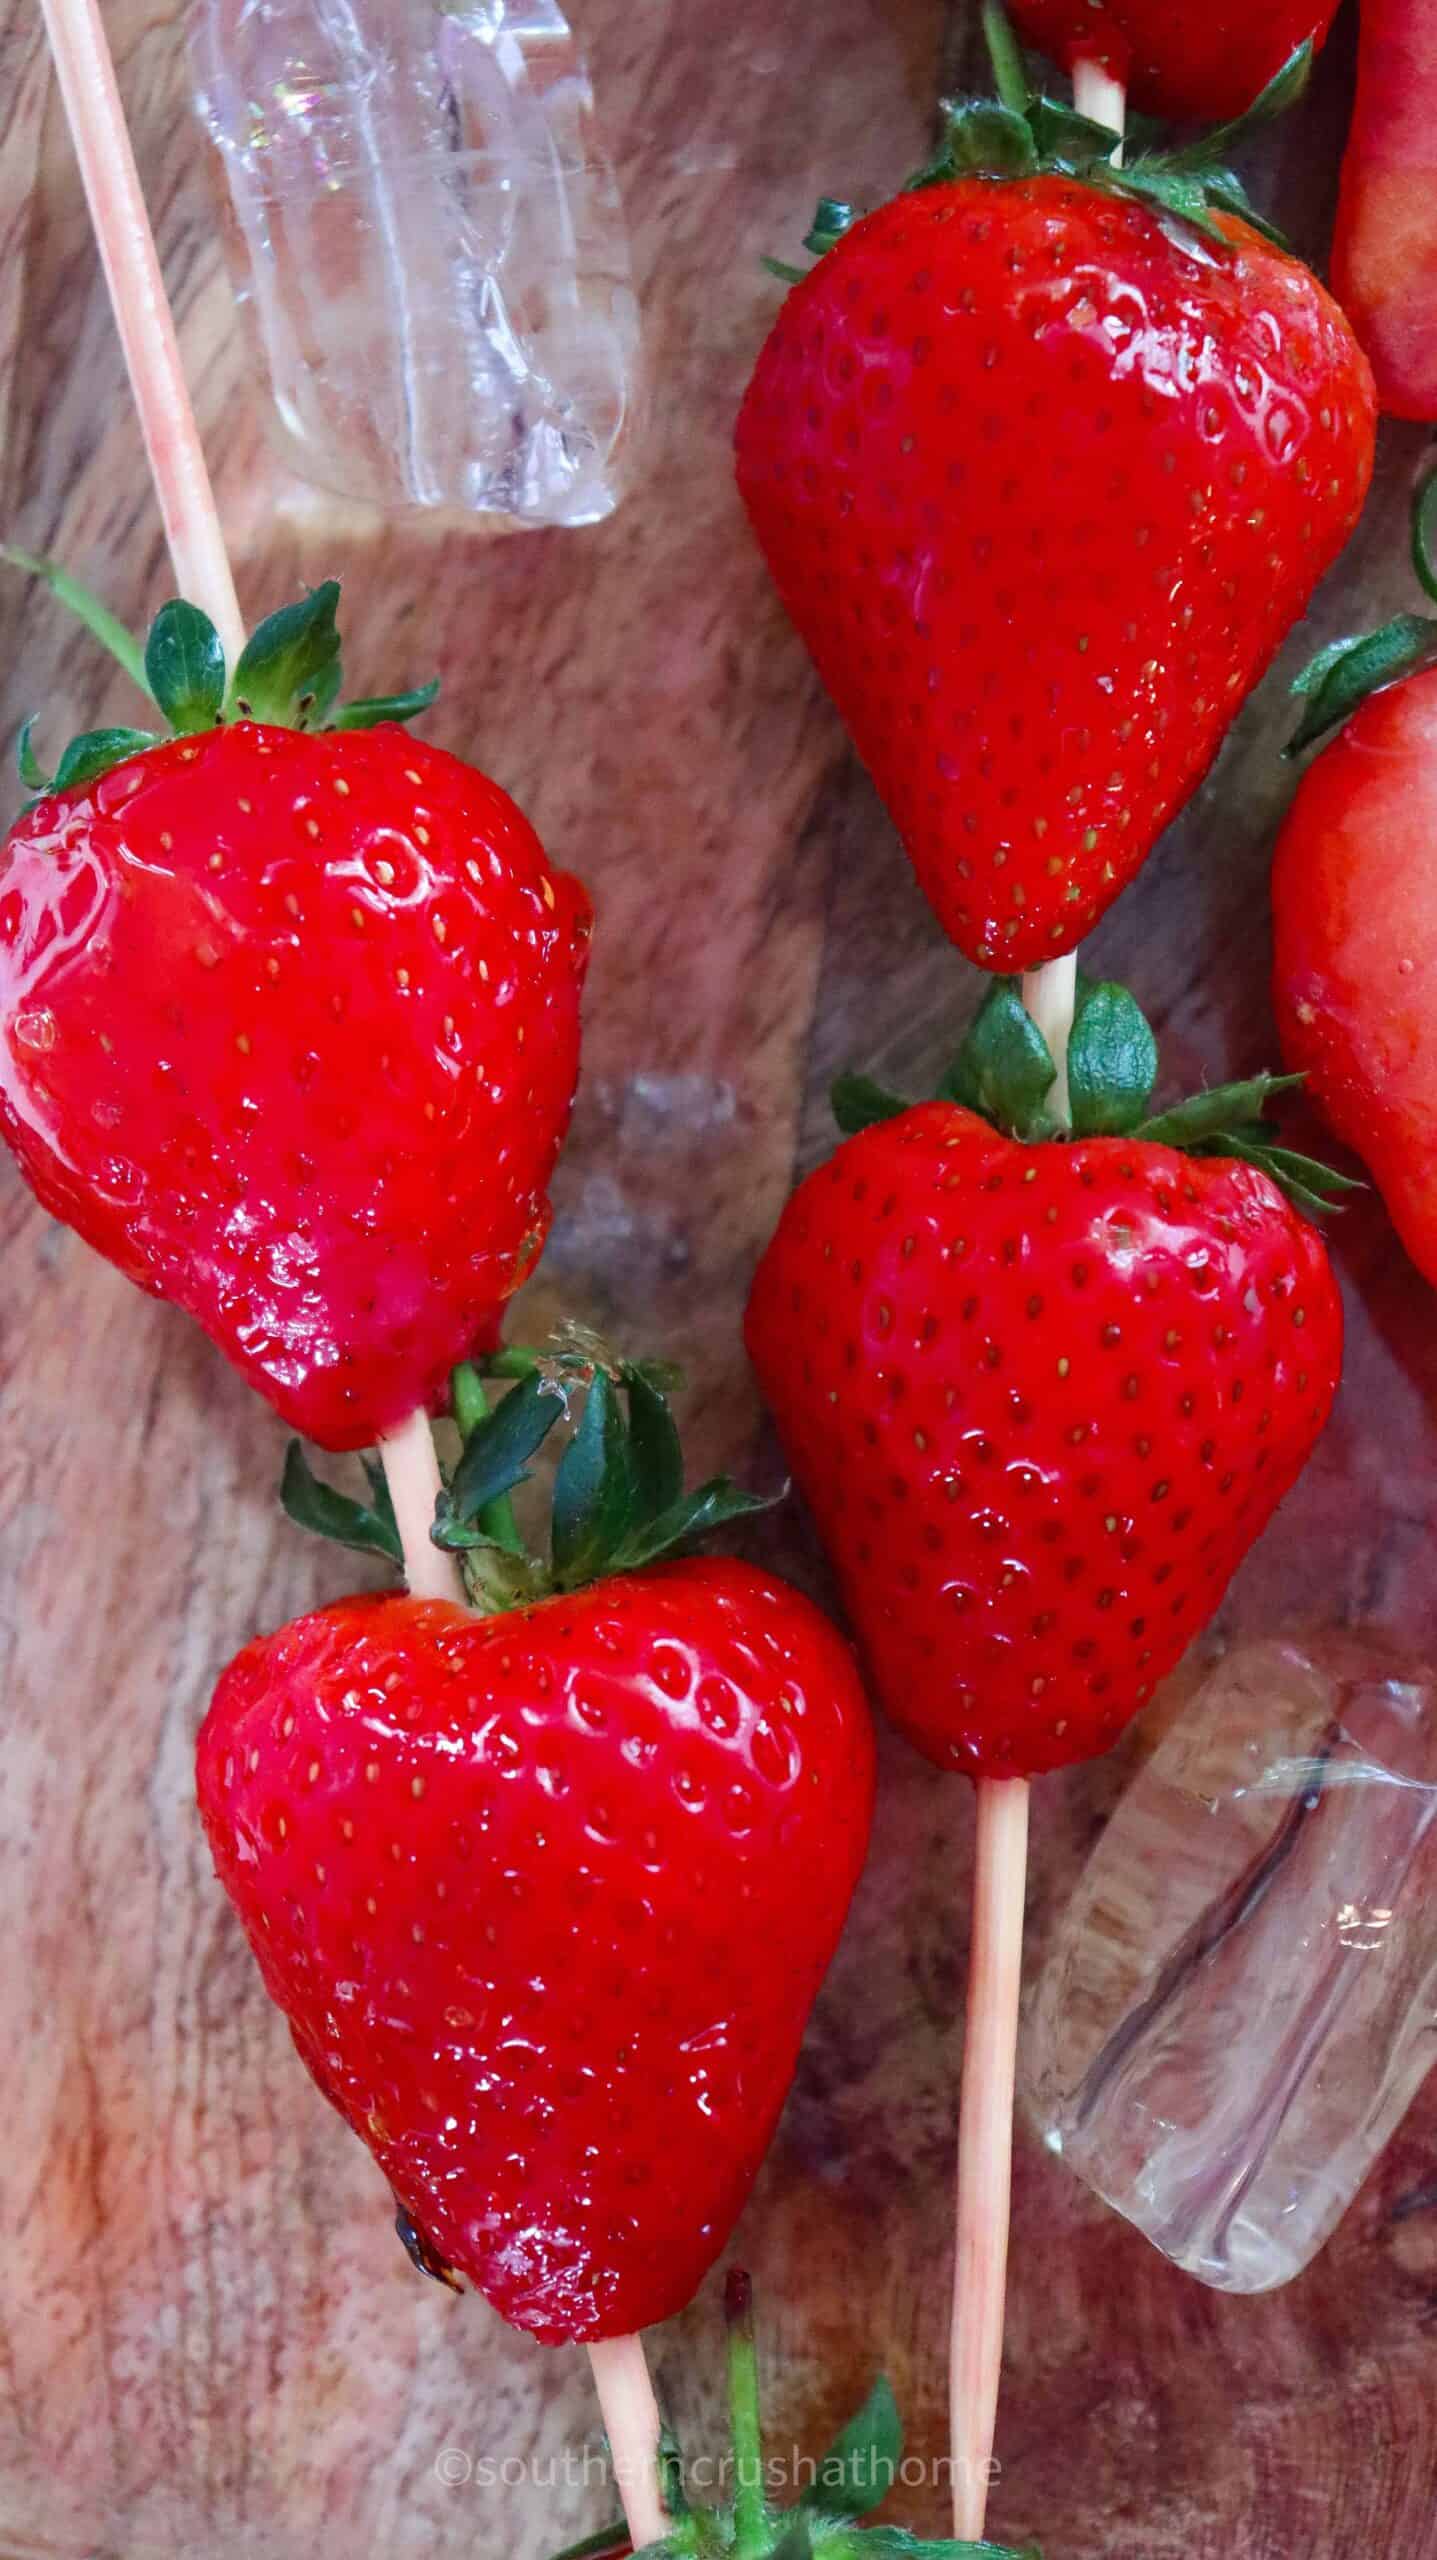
985,2127
142,313
192,529
985,2141
631,2421
203,574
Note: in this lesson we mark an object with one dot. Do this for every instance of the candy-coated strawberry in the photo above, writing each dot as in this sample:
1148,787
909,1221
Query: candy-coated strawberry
1041,1398
1354,901
289,1029
1044,467
1384,250
546,1895
1178,57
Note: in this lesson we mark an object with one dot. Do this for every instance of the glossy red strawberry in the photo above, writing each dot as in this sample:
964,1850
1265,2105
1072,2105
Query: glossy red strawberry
1044,473
1384,249
546,1898
289,1029
1177,57
1354,905
1041,1399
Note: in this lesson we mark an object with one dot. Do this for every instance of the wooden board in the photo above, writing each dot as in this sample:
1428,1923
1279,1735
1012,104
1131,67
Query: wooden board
209,2339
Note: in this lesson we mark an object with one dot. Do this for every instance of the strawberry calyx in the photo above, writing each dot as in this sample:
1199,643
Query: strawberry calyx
618,1500
1005,1072
1339,679
289,676
860,2468
1022,133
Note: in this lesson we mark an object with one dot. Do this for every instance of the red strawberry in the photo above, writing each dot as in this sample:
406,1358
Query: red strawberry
1043,474
1354,903
546,1896
1384,249
518,1884
1041,1399
1175,57
289,1029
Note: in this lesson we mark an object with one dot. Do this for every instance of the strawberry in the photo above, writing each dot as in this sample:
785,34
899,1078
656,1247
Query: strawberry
1355,903
1384,248
518,1881
1042,1395
1045,459
289,1021
1188,61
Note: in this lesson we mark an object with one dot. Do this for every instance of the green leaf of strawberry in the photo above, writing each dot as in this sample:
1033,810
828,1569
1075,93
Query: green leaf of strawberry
1004,1072
185,667
858,1101
95,752
1005,1068
1112,1061
593,1490
856,2474
861,2465
387,706
1335,682
312,1504
618,1503
290,670
497,1453
656,1455
1022,134
289,676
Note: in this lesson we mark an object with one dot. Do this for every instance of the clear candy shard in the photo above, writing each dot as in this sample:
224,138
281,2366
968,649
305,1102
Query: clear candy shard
429,248
1240,2003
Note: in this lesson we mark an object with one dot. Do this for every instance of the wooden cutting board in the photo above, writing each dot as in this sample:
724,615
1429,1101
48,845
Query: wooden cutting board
209,2339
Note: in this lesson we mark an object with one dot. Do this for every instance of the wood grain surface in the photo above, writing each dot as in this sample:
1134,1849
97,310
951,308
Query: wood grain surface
209,2339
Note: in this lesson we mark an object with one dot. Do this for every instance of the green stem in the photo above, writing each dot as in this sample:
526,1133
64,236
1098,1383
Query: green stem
750,2508
515,1360
97,617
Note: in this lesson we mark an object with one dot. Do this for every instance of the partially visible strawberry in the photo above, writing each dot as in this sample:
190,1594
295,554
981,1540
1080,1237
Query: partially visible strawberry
1178,57
289,1022
1384,246
1354,903
546,1895
1042,1395
1044,466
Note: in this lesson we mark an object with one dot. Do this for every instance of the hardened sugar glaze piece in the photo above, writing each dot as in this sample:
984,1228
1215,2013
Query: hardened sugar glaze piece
1242,2000
429,247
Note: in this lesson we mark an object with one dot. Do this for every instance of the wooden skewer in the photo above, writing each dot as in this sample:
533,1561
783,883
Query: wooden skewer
142,313
202,570
985,2124
193,531
631,2421
985,2141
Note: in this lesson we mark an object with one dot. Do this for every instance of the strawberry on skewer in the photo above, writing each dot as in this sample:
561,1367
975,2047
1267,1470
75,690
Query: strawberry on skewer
289,1021
519,1881
192,527
1041,1391
1046,456
197,548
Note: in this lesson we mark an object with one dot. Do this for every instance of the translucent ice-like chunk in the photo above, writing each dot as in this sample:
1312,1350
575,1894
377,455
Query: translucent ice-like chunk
1242,2000
429,247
